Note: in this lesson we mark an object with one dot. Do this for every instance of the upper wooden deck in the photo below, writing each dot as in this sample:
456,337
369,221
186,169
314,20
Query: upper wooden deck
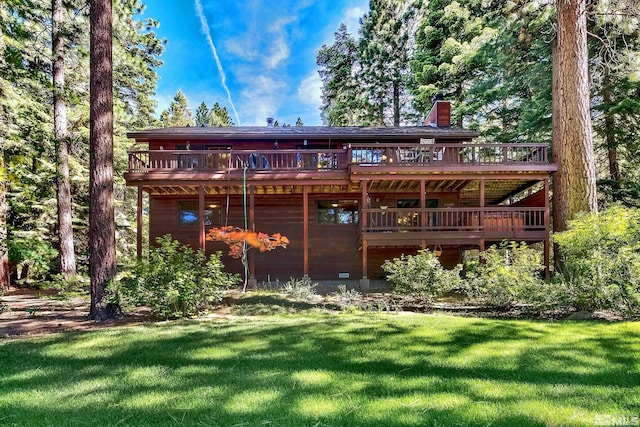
342,163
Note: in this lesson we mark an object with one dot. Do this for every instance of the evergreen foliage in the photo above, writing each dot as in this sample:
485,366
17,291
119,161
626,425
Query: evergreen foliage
29,149
178,114
342,95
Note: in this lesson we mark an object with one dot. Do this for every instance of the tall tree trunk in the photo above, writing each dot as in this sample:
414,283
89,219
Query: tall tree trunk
4,252
396,102
65,228
609,130
102,242
574,184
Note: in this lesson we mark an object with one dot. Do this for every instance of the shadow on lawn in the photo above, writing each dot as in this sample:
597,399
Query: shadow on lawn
320,371
267,304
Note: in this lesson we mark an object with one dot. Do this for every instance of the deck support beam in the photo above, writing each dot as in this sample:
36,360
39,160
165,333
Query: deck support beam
481,185
364,282
547,243
139,224
201,217
423,205
305,230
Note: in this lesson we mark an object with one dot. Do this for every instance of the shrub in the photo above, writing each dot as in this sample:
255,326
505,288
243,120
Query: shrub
175,281
33,259
600,255
349,299
508,273
69,287
300,289
421,275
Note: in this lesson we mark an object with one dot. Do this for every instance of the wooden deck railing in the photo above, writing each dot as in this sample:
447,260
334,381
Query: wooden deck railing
336,159
445,154
496,218
254,160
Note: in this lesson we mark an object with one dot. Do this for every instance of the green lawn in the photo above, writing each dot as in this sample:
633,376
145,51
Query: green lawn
326,370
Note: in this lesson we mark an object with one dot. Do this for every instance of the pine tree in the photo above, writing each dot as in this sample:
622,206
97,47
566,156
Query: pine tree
67,255
102,243
4,252
299,122
574,184
342,96
387,36
219,116
616,40
178,114
29,148
29,155
449,53
202,115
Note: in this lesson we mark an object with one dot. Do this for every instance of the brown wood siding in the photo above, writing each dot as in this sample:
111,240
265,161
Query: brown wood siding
333,248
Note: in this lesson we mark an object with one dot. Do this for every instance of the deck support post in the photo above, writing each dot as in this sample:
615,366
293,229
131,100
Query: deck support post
423,205
201,217
547,243
364,282
481,185
305,230
139,224
252,226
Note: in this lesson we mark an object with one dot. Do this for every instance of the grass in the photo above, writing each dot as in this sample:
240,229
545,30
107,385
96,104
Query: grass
325,370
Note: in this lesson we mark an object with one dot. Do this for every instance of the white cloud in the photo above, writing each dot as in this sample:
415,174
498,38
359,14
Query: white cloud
241,48
310,90
261,97
278,52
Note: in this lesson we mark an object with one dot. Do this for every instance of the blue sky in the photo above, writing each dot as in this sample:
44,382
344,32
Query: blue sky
267,51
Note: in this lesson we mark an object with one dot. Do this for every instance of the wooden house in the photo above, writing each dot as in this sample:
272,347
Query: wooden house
347,198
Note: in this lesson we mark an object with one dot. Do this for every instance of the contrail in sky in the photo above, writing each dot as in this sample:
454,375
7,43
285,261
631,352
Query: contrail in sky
223,77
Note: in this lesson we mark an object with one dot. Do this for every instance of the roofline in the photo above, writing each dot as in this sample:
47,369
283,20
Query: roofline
424,132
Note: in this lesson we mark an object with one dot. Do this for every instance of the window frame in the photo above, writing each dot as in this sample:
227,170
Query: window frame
339,207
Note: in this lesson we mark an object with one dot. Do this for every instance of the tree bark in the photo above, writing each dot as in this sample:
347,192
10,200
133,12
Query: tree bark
574,184
102,243
4,252
609,130
65,229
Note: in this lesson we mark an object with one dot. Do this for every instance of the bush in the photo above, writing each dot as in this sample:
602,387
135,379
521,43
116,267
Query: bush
300,289
69,287
174,281
600,255
349,299
421,275
33,259
509,273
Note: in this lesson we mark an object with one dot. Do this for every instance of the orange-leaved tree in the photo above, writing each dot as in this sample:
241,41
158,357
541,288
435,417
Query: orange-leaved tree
240,241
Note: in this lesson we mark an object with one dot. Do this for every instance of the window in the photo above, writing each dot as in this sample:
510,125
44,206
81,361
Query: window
188,214
337,211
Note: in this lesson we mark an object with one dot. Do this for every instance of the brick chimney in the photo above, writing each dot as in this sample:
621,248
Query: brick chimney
440,114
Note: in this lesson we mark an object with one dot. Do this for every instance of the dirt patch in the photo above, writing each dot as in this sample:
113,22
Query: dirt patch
34,312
